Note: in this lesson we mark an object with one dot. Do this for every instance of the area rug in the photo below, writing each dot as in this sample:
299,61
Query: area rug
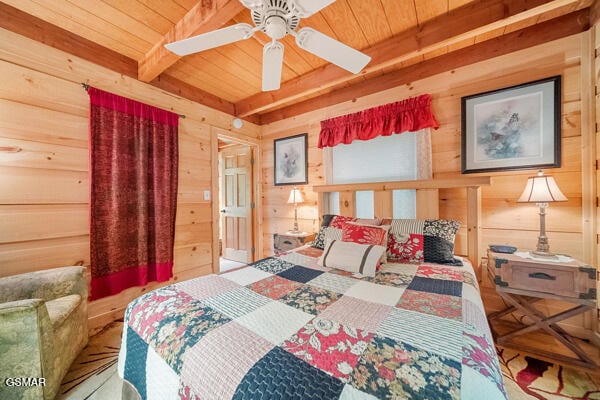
95,365
526,378
529,378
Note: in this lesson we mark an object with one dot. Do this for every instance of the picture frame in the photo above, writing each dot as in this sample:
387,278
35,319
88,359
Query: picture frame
518,127
291,160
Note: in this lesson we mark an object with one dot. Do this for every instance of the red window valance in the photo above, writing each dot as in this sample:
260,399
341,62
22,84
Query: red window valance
408,115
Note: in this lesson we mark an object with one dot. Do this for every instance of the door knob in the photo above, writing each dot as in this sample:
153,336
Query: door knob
223,210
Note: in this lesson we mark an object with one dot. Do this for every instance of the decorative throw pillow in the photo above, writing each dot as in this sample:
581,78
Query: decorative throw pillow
405,247
352,257
327,219
332,234
366,234
369,221
319,242
339,221
415,241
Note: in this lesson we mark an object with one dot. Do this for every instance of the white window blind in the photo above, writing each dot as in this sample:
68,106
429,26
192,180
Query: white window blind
385,158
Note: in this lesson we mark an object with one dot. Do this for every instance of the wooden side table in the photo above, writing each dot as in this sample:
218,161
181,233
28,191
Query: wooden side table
522,282
287,241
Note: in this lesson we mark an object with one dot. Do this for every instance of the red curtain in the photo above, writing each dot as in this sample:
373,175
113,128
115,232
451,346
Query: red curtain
408,115
133,163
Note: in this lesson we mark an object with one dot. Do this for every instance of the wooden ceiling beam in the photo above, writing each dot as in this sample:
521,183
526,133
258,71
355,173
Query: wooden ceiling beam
180,88
39,30
554,29
459,24
205,16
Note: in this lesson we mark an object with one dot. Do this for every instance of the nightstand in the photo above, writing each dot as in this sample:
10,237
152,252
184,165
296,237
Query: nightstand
288,241
522,281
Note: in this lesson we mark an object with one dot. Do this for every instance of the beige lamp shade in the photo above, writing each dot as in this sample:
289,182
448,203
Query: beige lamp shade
295,197
541,189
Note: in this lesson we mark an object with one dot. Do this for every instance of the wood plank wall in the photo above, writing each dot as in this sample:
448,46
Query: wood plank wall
504,220
594,53
44,185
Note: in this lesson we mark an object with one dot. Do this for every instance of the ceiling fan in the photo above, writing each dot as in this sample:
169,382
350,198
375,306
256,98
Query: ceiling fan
278,18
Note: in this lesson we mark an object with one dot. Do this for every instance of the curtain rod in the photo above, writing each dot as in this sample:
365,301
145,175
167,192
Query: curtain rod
87,87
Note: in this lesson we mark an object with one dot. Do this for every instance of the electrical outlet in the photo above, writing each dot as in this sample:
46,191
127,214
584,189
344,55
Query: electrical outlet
207,195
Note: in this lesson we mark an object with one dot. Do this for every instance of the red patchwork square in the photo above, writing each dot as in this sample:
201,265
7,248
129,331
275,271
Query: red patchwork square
274,287
442,305
329,346
435,272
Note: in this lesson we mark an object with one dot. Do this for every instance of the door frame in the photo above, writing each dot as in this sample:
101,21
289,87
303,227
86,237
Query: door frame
256,212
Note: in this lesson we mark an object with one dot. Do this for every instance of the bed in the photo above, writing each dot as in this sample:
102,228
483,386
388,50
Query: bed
291,327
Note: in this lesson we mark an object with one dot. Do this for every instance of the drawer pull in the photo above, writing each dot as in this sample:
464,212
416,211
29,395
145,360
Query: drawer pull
287,242
541,275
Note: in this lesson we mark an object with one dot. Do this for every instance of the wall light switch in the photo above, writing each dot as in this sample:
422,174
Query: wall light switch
207,195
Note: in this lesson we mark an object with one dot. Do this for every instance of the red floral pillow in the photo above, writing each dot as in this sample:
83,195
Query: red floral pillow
422,240
364,234
367,234
339,221
406,247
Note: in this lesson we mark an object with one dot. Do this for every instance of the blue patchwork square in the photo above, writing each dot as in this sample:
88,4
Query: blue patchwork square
300,274
135,362
439,286
270,378
272,265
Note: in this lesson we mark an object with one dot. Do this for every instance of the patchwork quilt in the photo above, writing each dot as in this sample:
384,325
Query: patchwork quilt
285,328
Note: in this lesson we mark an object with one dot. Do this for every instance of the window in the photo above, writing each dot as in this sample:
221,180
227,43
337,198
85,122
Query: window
384,158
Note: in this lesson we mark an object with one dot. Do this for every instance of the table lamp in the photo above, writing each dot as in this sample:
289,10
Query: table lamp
542,189
295,198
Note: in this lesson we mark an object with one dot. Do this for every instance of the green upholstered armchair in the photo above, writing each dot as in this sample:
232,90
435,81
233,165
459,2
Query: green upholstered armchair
43,327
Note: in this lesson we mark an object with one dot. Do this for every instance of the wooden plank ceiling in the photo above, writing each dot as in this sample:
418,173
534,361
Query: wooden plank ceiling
407,40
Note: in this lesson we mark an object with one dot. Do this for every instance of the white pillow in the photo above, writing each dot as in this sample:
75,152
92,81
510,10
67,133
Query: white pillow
352,257
386,228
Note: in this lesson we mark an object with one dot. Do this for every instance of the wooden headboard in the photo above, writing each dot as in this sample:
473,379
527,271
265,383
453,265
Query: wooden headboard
428,205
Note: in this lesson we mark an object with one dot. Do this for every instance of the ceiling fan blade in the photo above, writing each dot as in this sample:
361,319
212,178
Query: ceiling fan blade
211,39
272,66
331,50
306,8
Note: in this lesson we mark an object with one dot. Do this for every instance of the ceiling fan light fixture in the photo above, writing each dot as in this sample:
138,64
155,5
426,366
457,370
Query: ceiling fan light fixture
275,27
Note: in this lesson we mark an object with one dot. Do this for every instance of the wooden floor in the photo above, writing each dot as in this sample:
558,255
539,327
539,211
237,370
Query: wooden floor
93,375
546,342
226,265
